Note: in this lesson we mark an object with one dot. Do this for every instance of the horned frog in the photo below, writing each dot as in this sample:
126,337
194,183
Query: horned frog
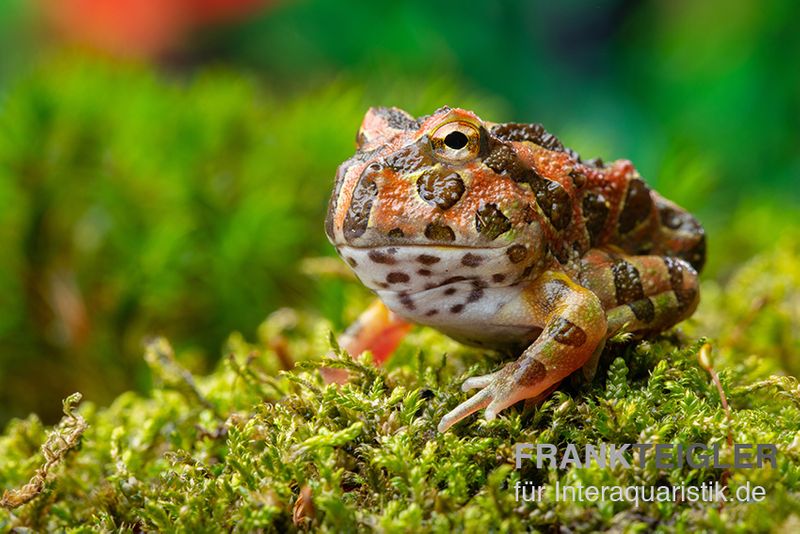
500,237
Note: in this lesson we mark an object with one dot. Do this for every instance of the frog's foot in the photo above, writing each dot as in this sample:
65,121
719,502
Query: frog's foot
525,378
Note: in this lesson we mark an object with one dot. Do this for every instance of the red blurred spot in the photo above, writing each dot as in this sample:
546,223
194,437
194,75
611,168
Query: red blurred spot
140,28
383,346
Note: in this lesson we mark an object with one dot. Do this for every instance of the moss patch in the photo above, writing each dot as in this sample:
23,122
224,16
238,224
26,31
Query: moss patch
254,446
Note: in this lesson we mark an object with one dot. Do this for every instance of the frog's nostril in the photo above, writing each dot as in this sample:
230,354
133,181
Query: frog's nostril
456,140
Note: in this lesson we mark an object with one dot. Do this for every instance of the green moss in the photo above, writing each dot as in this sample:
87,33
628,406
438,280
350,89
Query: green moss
235,449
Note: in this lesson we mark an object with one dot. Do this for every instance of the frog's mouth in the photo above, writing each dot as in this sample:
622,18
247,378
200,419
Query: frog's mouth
415,268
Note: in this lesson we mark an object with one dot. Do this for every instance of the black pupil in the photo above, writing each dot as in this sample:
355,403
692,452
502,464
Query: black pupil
456,140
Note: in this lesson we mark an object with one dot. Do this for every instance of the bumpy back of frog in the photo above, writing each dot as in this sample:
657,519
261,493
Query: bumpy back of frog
593,204
613,204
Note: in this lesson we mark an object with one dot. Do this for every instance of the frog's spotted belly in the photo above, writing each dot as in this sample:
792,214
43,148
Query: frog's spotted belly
413,269
457,290
464,311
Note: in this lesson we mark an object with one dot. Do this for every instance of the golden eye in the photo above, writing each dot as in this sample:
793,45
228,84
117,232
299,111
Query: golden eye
456,141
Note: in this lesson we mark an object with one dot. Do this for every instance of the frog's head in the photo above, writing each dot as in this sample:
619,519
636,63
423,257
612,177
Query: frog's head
441,192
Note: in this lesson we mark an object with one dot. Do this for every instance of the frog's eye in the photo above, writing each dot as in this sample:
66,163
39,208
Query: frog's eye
456,141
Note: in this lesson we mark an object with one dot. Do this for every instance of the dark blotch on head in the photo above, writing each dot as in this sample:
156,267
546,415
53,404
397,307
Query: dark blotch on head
567,333
627,282
397,278
380,257
578,178
439,232
503,160
595,214
352,261
530,372
357,218
554,202
458,308
490,221
498,278
431,313
535,133
471,260
395,232
638,206
643,309
411,158
427,259
440,188
516,253
424,272
450,291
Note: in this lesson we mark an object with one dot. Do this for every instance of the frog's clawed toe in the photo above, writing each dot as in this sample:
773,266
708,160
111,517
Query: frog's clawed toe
478,382
493,396
478,401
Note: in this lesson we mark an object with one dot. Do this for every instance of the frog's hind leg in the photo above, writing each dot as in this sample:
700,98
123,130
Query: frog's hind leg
378,330
641,294
680,234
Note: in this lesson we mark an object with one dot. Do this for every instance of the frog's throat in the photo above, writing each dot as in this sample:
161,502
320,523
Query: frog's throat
413,269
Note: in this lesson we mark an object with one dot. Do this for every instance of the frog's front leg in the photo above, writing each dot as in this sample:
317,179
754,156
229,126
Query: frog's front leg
573,325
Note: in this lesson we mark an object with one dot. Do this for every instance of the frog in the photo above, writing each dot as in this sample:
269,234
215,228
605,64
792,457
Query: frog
502,238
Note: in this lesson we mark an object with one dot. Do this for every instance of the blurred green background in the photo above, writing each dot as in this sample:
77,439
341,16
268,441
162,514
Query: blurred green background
165,166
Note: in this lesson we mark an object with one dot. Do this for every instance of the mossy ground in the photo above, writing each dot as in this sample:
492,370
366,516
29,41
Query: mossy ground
252,446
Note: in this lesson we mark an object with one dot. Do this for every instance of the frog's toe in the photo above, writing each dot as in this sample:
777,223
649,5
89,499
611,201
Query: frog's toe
479,382
496,406
480,400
